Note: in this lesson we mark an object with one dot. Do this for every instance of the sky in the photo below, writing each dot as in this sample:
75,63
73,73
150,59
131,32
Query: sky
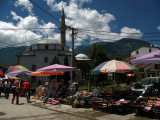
24,23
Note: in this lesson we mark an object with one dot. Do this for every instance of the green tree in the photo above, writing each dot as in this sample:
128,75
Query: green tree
98,55
55,61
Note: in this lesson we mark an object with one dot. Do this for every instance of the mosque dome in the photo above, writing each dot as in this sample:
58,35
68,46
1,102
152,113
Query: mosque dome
81,57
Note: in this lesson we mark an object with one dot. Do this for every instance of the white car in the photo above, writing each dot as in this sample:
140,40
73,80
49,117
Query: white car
145,83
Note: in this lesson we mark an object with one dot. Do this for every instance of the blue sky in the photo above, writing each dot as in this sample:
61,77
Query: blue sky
106,20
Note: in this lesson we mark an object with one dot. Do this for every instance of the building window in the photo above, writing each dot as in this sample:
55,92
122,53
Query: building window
31,48
137,52
46,47
157,66
46,59
150,50
33,67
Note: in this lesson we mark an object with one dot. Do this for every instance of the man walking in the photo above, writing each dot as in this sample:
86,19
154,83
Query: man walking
7,86
26,87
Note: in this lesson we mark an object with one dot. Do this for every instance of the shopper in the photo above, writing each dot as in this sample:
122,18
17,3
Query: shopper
1,87
7,86
15,94
26,87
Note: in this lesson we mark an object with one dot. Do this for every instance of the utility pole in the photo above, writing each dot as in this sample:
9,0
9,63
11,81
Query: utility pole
72,54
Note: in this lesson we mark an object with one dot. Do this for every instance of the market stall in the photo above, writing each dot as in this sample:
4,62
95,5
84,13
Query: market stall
148,104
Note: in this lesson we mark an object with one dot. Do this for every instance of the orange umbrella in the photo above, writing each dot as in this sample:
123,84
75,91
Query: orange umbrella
46,73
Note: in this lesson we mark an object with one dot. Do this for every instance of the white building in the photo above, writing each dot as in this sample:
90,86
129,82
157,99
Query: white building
146,70
143,51
42,53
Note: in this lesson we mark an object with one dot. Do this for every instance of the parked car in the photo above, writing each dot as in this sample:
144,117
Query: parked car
145,83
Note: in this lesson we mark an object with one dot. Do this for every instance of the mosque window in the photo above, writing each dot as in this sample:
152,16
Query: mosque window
46,59
46,47
137,52
33,67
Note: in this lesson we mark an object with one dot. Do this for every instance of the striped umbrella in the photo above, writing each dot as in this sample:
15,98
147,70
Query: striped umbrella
10,78
113,66
16,68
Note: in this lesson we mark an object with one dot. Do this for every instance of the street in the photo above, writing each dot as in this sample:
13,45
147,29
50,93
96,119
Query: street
26,111
36,110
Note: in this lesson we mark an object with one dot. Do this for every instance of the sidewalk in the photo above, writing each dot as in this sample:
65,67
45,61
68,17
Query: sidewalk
88,113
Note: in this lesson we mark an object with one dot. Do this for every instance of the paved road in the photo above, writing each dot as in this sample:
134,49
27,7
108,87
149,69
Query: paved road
26,111
38,111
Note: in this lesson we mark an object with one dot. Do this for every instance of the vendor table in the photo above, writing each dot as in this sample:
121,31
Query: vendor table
97,105
121,108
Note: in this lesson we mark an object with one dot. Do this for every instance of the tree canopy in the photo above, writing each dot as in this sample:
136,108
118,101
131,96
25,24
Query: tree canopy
98,55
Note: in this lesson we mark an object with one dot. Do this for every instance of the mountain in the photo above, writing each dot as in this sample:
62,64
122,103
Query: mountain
122,48
9,55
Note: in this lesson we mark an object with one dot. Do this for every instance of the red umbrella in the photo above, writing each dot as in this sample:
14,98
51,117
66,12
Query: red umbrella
1,74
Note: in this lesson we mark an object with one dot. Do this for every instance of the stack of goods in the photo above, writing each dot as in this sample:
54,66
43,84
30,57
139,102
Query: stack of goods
121,105
122,101
149,103
81,98
157,108
39,92
53,101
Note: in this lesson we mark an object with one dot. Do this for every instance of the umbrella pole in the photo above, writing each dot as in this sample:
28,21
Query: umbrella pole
114,77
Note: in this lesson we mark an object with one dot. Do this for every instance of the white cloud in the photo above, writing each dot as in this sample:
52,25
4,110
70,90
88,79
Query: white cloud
11,37
82,18
90,19
130,33
15,17
81,2
26,4
158,27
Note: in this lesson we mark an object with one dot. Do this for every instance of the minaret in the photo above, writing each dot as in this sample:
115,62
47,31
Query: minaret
62,28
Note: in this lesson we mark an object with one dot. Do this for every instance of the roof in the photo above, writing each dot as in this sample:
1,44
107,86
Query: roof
139,66
128,60
154,70
147,47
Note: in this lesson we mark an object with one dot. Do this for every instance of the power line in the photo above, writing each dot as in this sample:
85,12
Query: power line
83,39
33,40
114,35
118,32
25,28
44,11
113,40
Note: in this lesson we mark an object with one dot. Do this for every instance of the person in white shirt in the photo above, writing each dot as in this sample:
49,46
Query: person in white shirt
7,85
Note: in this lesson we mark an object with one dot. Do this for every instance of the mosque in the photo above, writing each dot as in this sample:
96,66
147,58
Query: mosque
42,53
